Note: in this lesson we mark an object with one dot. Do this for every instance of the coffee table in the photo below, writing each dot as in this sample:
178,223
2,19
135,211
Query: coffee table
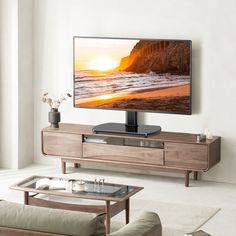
115,196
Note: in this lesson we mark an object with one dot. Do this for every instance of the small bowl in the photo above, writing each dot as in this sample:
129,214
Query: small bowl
79,186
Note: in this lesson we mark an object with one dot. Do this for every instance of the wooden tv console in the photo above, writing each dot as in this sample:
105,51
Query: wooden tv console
167,151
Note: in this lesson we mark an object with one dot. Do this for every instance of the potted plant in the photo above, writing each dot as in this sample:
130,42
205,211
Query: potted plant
54,116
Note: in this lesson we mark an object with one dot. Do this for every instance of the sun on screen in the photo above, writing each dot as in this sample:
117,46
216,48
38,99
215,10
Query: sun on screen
103,64
105,96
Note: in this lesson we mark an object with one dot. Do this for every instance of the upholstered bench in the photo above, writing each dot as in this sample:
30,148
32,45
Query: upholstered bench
22,220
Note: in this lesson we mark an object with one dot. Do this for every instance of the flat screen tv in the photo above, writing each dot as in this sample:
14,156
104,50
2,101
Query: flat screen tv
151,75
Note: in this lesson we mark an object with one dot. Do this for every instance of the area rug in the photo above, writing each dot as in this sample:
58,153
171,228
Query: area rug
177,219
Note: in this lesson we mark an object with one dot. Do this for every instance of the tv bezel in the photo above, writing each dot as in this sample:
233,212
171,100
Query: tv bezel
135,110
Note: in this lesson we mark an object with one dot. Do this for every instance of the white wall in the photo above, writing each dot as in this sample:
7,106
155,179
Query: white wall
16,84
25,80
208,23
9,83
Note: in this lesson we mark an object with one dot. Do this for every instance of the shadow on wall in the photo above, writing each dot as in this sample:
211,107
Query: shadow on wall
196,77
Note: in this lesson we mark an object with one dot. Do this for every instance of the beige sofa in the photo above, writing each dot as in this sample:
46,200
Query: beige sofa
22,220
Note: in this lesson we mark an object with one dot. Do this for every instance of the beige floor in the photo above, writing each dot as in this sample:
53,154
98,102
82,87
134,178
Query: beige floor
158,188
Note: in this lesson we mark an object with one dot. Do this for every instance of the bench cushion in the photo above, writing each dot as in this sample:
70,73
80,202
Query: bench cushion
64,222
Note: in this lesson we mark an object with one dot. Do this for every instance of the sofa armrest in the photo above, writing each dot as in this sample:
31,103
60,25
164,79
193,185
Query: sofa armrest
148,224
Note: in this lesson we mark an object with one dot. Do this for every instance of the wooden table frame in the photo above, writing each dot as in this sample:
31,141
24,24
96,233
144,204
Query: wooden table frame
112,206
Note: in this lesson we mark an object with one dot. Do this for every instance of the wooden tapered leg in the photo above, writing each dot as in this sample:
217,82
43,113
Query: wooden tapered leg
195,173
26,198
108,216
187,178
127,210
63,167
76,165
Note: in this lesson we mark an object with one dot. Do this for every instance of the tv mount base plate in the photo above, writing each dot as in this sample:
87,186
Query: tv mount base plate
119,128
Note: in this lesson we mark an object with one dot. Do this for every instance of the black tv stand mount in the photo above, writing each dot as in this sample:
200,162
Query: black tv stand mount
131,127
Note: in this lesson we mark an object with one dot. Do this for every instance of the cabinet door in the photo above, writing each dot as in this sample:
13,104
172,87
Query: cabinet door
186,156
62,144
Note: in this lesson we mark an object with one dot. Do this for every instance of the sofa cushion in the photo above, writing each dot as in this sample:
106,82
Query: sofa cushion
15,215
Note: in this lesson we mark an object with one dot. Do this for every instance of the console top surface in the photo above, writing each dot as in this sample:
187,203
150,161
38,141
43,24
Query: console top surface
162,136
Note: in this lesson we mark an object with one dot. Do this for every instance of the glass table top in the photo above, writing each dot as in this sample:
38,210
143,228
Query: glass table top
63,187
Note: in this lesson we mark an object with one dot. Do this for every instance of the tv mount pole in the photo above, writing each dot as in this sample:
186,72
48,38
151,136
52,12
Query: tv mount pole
131,121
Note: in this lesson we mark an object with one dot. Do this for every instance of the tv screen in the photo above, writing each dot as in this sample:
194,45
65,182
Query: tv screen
133,74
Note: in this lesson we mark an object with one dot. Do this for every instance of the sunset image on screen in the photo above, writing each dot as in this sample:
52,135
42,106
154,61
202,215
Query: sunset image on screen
103,64
132,74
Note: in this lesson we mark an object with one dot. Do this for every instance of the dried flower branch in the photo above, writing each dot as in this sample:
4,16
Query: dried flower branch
55,103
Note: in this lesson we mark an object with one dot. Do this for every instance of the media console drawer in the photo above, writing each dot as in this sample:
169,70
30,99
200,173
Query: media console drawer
130,154
190,156
62,144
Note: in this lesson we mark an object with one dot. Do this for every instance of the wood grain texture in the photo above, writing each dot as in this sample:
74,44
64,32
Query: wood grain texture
66,206
179,151
117,207
123,153
129,166
26,198
186,156
108,217
167,136
57,144
187,178
214,153
127,211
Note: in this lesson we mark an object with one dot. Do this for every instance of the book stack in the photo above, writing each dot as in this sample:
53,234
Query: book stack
46,184
96,140
198,233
